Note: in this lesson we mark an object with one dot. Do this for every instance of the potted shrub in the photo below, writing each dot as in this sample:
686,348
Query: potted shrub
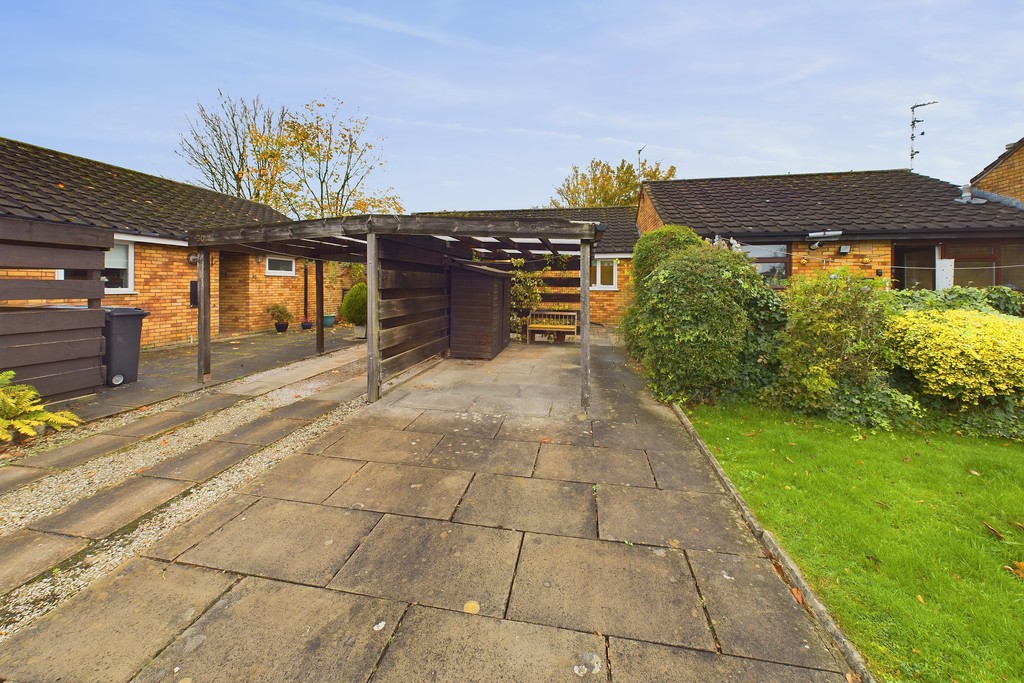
306,324
353,309
281,316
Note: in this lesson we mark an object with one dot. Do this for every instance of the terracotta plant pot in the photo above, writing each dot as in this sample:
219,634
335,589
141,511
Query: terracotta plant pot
281,327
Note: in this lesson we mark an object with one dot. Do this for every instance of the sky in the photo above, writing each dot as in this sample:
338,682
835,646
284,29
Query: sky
488,105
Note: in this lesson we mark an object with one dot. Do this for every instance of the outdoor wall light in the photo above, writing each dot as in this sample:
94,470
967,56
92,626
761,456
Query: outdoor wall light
844,249
814,245
193,259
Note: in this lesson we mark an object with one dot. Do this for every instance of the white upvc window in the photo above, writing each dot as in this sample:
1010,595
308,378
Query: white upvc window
279,265
118,272
604,274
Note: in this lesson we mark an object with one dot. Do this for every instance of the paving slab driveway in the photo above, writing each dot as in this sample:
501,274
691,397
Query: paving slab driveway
475,524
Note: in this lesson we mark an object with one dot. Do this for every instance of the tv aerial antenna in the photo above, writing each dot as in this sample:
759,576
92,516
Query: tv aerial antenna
638,157
913,128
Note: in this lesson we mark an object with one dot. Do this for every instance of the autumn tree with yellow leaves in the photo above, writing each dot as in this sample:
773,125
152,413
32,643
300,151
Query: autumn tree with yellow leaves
601,184
314,163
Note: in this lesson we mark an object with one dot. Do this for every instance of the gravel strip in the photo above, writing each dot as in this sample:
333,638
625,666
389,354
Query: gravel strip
23,605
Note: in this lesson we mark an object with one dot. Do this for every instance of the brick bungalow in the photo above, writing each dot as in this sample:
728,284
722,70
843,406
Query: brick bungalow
612,261
921,232
151,266
1004,176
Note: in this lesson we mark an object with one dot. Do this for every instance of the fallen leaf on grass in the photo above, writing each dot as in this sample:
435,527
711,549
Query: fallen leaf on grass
974,473
1017,569
920,599
1019,525
790,460
797,595
750,434
995,532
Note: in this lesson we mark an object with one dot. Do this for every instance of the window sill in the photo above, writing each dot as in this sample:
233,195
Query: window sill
280,274
604,289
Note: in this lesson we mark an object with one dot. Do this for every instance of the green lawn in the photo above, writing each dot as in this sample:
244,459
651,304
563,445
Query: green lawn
889,529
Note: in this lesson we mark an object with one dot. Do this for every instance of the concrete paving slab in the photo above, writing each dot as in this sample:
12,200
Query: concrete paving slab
202,462
305,478
447,647
285,540
403,490
609,588
263,431
755,615
255,387
663,436
106,511
268,631
636,662
443,400
384,416
484,455
153,424
344,391
190,533
210,403
131,616
457,424
521,504
328,438
675,519
499,405
306,409
569,409
27,554
80,451
13,477
479,388
547,430
684,469
384,445
453,566
593,465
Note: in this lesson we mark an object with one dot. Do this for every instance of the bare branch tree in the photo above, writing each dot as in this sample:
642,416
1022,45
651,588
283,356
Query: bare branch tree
221,145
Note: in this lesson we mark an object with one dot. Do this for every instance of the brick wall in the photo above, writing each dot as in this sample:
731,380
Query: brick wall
248,302
865,257
608,306
647,218
1007,178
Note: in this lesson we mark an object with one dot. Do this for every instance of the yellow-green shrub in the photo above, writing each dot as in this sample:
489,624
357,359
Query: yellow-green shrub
960,355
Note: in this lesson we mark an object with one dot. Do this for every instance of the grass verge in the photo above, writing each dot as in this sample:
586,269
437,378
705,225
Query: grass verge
898,534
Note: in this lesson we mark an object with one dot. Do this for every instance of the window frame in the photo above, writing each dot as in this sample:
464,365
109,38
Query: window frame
59,274
783,258
996,257
595,285
279,273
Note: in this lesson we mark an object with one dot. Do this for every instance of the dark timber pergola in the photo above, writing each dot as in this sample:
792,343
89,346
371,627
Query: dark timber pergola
407,263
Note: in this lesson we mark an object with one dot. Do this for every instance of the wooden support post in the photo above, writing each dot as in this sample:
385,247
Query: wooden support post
585,247
320,307
372,319
203,373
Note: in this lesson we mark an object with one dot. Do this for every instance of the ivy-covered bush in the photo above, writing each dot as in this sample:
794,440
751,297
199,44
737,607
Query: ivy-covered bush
353,307
657,246
969,357
759,359
22,412
526,289
690,321
988,299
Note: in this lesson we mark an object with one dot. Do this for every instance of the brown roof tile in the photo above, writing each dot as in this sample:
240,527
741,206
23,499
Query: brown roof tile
42,184
893,203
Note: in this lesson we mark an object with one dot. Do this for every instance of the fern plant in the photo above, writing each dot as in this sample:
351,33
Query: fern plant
22,412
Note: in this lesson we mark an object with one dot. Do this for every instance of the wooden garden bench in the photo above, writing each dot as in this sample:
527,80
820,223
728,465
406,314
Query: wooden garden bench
559,322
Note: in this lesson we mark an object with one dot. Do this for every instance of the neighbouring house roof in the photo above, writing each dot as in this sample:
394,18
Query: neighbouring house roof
618,223
888,204
1010,149
45,185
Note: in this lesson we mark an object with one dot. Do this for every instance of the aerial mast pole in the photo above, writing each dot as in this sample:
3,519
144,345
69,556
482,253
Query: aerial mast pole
913,128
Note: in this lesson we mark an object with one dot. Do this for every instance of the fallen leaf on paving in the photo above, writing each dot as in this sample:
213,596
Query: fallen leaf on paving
141,470
797,595
920,599
994,531
471,607
545,440
163,442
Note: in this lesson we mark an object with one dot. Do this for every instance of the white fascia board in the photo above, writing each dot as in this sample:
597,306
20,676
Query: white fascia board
613,255
121,237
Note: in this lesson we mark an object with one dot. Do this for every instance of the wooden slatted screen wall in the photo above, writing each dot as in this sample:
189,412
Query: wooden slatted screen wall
413,305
